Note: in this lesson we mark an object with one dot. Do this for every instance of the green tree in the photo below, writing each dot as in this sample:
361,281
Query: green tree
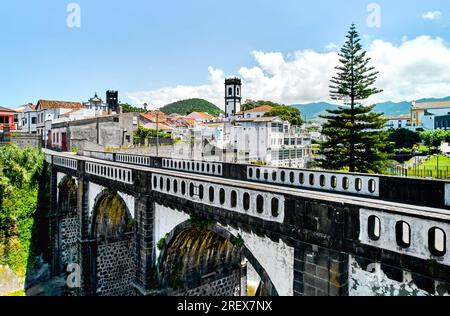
354,139
127,108
20,173
286,113
402,138
434,139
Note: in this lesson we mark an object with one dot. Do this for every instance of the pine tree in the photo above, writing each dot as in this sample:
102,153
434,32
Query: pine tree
353,136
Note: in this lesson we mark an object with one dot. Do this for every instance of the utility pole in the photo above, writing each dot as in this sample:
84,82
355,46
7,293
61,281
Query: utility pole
157,133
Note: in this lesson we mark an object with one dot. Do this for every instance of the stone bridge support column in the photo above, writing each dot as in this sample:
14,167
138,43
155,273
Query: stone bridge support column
87,257
320,271
54,219
145,281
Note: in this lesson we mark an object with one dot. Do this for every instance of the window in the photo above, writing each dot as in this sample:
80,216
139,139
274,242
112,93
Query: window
200,192
333,182
175,186
358,184
372,187
403,234
275,207
183,188
116,120
374,228
233,199
292,177
230,91
191,190
311,179
345,183
437,242
246,202
322,180
222,196
211,194
161,183
260,204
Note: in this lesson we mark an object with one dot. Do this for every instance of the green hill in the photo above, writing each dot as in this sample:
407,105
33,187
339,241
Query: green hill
185,107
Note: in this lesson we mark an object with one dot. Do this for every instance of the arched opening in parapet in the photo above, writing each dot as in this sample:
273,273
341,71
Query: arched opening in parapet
69,222
206,260
113,229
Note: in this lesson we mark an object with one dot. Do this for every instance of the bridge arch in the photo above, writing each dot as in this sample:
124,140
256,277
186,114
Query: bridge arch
192,252
68,232
113,230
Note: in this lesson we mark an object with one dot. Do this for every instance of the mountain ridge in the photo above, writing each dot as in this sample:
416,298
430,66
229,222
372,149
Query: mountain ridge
389,108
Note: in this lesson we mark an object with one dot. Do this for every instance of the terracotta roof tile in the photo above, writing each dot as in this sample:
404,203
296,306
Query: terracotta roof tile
48,104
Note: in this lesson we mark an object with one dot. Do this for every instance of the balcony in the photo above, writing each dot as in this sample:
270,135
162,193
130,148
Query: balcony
7,127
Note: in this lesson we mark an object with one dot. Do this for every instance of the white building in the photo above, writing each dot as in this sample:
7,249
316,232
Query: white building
26,118
271,141
49,110
96,104
260,111
399,121
423,114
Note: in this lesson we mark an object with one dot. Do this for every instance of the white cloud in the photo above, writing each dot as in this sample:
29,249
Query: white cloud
432,15
331,47
414,69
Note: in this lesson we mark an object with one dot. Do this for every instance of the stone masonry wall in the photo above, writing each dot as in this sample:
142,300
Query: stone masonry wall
225,286
115,268
69,239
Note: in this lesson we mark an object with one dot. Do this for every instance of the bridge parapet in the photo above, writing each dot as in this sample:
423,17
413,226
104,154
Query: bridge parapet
256,203
415,191
325,230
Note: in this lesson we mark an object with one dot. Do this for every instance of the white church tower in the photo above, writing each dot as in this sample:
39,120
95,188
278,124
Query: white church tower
232,97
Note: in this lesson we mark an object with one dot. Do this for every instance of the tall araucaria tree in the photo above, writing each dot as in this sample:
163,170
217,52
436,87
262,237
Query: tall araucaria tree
354,139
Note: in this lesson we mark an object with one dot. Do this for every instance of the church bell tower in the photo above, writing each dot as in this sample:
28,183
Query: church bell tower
233,97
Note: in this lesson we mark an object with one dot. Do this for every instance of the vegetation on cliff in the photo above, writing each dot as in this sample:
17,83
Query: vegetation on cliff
23,192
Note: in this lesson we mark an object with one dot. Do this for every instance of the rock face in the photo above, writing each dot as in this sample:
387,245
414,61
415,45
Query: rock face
9,282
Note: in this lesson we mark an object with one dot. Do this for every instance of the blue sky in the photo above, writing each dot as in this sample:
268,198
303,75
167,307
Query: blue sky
141,45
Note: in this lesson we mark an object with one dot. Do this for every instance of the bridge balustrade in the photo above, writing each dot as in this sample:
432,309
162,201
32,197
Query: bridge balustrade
194,166
356,184
260,204
110,172
66,162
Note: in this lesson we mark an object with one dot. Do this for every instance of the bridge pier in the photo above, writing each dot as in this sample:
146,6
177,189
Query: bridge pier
320,271
145,278
54,224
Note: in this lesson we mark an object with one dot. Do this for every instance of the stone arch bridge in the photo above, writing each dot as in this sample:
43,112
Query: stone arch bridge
138,225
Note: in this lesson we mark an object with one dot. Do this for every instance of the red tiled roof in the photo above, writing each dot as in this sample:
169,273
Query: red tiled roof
263,108
202,115
48,104
6,109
